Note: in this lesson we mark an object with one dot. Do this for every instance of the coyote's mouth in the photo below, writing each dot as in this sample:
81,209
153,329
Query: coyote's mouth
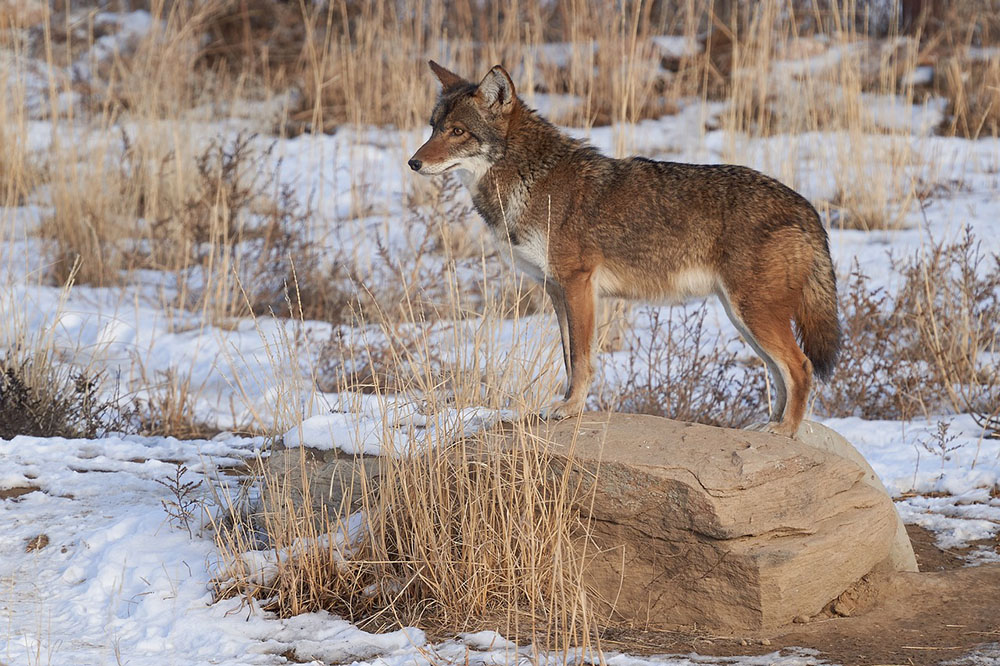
426,172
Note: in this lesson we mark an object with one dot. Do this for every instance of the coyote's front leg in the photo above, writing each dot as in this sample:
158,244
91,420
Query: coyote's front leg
579,303
558,298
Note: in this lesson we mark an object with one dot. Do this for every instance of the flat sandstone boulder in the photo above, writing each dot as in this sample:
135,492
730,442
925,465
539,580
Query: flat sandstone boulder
730,530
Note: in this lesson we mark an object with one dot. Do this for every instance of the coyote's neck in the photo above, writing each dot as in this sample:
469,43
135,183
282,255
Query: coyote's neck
533,148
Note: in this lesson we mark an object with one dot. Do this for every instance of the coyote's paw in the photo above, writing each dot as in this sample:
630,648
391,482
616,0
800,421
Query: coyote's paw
773,427
561,410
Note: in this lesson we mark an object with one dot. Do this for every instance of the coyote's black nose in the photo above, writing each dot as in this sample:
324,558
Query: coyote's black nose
415,164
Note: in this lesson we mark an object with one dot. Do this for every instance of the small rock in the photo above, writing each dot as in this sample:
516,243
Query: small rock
765,641
800,619
743,641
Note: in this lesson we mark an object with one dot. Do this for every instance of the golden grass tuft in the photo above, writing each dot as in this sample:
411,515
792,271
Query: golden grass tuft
460,535
459,531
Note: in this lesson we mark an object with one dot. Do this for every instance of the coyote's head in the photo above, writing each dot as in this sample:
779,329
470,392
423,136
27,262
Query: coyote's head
468,125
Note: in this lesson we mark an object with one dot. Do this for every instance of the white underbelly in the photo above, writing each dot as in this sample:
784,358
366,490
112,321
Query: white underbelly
675,287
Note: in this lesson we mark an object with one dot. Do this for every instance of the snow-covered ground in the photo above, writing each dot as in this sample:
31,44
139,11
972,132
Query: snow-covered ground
119,581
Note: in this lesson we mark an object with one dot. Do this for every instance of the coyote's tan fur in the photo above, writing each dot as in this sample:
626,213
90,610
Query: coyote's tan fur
585,226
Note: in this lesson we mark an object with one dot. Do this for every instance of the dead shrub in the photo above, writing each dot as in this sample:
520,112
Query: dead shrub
239,241
676,370
459,239
949,310
926,347
872,378
236,238
446,268
41,398
448,216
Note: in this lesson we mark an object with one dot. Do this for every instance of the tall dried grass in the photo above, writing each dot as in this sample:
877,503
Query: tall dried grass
458,531
461,534
338,59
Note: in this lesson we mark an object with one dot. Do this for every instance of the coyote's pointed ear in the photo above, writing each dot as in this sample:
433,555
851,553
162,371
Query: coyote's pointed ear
496,90
447,78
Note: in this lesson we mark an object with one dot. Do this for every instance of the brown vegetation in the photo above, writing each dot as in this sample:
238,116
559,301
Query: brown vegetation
42,398
921,349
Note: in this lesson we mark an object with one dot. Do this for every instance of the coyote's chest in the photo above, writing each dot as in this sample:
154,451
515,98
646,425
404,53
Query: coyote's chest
523,245
526,248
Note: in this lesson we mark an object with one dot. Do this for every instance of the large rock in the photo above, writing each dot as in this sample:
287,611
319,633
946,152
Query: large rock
729,530
332,480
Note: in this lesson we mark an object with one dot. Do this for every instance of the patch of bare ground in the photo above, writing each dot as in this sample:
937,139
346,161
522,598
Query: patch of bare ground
16,492
939,615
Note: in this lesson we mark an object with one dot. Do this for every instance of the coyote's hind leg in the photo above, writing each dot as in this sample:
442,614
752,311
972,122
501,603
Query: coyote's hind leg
773,332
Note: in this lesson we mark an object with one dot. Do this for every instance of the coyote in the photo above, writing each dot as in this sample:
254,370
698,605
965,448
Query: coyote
585,225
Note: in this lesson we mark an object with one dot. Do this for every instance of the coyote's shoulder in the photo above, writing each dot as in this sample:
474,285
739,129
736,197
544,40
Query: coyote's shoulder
587,225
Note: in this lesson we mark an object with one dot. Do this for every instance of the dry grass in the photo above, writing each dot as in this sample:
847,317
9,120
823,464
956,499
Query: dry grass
346,69
962,40
949,311
457,532
459,535
167,405
335,56
235,239
972,87
40,397
871,379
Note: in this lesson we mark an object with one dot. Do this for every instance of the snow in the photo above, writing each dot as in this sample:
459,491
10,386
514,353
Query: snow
920,76
676,46
957,520
389,427
896,451
121,580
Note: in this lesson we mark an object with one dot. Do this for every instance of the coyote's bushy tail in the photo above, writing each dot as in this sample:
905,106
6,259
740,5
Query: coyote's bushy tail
816,320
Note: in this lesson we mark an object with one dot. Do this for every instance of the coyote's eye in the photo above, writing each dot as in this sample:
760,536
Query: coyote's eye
457,131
